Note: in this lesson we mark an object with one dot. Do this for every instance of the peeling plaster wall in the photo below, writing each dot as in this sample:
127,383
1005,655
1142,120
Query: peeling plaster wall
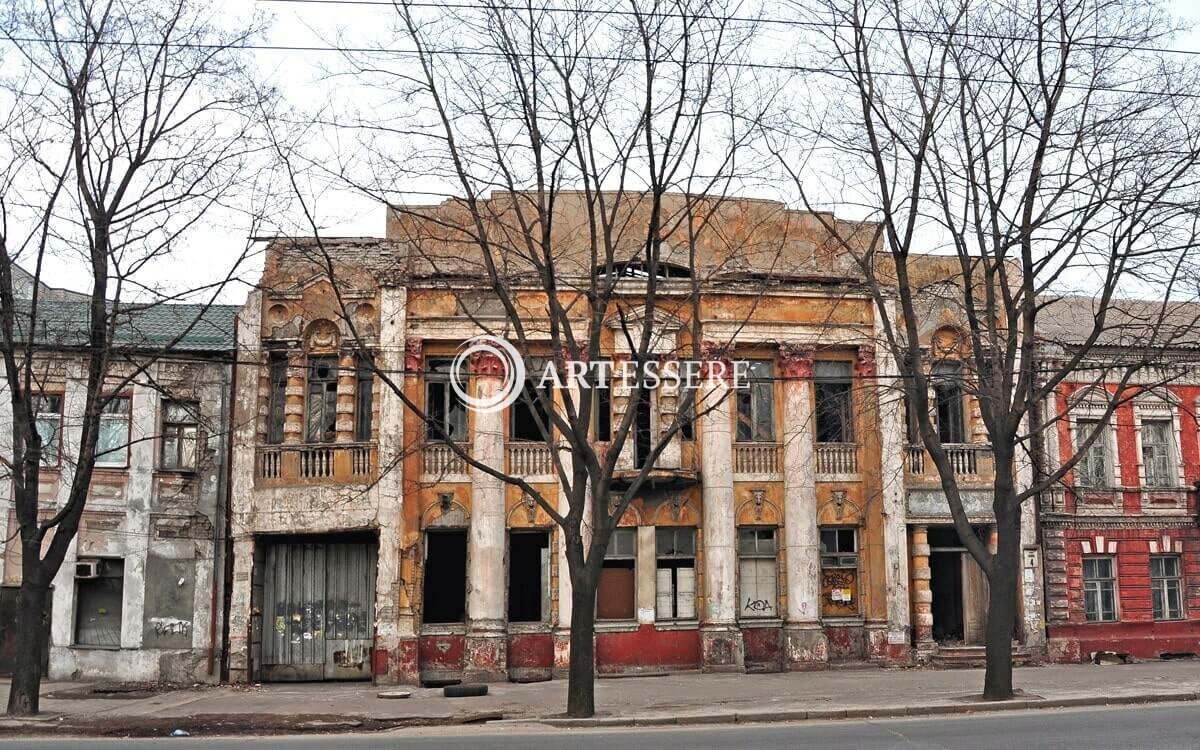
164,525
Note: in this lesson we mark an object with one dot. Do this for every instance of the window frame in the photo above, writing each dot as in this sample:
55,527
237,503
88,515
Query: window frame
619,560
1103,443
748,405
58,428
193,408
945,376
1170,462
99,461
364,387
846,417
534,407
758,556
674,561
1159,585
277,377
451,403
328,406
1098,584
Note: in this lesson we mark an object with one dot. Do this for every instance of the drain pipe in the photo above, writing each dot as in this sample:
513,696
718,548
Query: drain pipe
221,527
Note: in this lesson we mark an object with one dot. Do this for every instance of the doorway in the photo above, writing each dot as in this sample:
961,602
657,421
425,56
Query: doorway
958,589
319,604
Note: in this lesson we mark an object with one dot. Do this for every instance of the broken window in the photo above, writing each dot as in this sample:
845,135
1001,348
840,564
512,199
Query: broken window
99,588
277,375
1092,468
643,427
756,404
112,438
615,592
528,576
48,416
180,429
833,389
1158,462
757,561
675,580
839,572
687,420
948,396
364,398
529,416
445,412
1166,587
321,413
444,587
1099,589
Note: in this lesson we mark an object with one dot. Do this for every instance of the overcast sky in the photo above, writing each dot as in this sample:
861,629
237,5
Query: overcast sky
301,77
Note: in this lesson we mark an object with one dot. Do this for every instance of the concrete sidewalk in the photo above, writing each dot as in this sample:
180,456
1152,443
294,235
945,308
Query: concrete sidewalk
688,698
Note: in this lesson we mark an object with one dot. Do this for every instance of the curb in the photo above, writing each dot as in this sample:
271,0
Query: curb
888,712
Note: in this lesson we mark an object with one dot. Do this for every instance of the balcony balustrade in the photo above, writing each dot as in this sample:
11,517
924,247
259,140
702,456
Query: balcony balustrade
756,458
320,462
838,459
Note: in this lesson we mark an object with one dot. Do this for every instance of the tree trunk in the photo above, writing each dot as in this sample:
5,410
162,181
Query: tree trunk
581,673
1002,605
23,699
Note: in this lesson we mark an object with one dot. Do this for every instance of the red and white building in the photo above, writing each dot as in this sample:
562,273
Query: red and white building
1120,533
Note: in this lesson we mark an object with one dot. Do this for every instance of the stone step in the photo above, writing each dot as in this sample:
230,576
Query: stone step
973,656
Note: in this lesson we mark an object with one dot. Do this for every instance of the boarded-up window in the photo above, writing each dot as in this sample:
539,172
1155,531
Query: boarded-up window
757,556
615,594
675,580
839,572
99,587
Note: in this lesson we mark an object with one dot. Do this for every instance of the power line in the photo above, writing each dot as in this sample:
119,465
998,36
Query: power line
734,19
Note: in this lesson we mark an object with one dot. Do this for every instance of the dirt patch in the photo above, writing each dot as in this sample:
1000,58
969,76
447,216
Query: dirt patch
240,724
120,690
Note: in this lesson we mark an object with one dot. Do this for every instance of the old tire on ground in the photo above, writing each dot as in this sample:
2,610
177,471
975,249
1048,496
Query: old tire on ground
464,691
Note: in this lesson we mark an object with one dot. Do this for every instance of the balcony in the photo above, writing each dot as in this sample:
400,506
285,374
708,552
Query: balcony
332,463
529,459
757,459
837,459
967,460
439,461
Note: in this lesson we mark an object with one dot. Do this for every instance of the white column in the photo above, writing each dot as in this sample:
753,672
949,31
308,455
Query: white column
891,456
721,639
804,639
393,633
486,642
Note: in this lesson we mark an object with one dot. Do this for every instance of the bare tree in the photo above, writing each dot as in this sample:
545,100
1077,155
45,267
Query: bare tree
1039,148
128,127
585,152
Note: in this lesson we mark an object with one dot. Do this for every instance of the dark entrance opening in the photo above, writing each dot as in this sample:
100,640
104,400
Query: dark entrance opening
444,590
945,583
528,577
643,442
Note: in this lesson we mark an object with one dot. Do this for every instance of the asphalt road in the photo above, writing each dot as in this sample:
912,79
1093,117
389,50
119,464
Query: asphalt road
1162,726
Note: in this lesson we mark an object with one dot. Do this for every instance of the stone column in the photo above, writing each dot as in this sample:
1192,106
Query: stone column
805,646
922,596
721,639
878,370
293,405
487,640
395,631
345,397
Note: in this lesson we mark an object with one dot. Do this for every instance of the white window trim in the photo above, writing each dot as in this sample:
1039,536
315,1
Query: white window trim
1151,407
1116,584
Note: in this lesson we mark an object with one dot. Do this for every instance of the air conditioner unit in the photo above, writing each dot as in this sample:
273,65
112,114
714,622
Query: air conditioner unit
87,569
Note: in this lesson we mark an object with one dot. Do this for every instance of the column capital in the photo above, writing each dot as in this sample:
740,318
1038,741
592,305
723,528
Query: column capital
413,354
795,360
486,364
715,362
866,361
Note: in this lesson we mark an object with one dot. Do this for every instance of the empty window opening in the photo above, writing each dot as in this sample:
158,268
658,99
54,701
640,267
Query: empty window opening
529,415
833,390
615,593
948,395
444,593
445,412
643,431
528,576
676,573
99,589
277,375
364,397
